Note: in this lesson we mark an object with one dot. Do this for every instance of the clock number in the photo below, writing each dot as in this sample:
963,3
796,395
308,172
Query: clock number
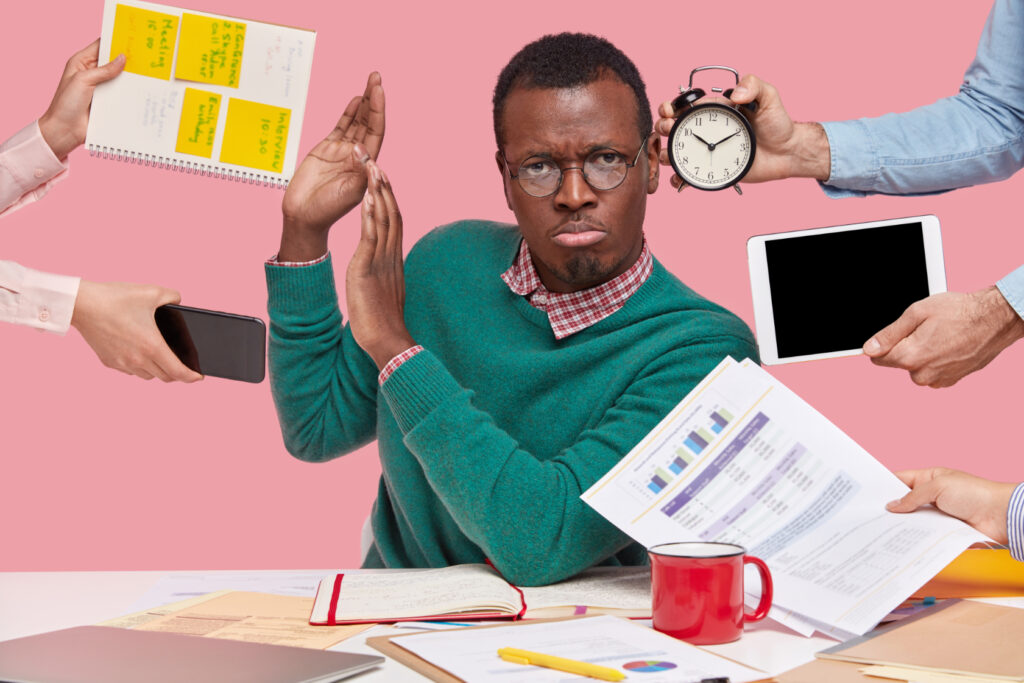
686,160
744,147
711,175
686,132
698,121
696,170
737,161
712,116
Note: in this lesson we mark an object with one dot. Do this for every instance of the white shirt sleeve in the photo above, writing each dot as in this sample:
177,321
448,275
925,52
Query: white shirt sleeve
28,169
41,300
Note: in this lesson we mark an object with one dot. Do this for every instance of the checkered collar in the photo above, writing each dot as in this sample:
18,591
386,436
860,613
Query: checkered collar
571,312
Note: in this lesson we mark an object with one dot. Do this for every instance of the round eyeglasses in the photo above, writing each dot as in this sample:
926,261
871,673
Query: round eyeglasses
604,169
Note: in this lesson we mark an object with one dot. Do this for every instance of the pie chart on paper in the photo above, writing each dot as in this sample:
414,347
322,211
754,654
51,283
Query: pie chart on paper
648,666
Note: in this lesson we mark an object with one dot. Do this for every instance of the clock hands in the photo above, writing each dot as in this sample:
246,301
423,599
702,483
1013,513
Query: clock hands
711,145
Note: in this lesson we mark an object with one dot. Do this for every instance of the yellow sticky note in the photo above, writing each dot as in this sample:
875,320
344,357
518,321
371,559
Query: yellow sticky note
210,50
255,135
146,38
198,124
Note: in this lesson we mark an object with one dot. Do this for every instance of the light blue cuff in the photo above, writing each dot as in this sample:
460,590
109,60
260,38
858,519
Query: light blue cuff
1012,289
1015,523
854,159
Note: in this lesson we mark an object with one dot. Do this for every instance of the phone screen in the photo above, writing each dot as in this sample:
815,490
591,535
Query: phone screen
214,343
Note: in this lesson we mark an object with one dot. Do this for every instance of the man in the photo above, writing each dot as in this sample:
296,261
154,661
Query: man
114,318
521,361
976,136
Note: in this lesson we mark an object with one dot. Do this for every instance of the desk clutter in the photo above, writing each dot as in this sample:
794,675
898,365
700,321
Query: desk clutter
977,641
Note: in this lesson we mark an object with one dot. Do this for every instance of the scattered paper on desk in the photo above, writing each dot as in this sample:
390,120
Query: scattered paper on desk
742,459
637,651
256,618
137,619
896,673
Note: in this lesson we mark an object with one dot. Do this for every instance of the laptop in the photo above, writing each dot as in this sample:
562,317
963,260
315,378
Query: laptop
93,654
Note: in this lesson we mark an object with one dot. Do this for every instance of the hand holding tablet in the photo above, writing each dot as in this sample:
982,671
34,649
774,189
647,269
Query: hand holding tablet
822,293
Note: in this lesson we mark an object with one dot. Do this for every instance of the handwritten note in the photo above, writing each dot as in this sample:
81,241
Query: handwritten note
255,135
198,125
146,38
211,50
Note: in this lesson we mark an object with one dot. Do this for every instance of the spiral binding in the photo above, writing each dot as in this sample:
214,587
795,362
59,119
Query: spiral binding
197,168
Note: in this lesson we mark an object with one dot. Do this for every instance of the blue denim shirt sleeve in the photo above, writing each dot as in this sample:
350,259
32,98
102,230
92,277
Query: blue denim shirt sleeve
976,136
1012,289
1015,523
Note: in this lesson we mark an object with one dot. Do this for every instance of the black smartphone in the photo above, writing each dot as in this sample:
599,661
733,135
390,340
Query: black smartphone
215,343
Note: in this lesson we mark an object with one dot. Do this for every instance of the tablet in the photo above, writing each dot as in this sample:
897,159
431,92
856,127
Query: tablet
822,293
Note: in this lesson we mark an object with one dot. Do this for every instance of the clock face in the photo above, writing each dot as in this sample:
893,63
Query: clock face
711,146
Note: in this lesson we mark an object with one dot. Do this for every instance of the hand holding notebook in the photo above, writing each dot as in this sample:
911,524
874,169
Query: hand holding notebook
201,92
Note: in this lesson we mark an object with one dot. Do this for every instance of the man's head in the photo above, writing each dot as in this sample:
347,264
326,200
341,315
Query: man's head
566,105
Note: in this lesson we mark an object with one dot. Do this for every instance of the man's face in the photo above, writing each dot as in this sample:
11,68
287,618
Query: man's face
579,237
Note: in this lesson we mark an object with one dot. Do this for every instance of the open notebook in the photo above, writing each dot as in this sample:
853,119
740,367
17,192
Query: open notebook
201,93
477,591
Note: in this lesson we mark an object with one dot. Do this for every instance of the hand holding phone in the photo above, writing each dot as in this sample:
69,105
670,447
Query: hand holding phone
215,343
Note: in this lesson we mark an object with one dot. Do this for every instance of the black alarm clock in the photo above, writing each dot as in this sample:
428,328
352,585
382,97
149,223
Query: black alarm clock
711,145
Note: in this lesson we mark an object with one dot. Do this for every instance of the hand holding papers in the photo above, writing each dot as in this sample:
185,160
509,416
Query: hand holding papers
742,459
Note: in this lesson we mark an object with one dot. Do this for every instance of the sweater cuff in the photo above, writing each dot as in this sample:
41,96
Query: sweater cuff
416,388
297,290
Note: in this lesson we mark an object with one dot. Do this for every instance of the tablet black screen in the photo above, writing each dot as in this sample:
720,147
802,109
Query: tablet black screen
831,292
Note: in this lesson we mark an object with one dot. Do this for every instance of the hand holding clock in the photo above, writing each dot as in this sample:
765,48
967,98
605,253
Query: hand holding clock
784,149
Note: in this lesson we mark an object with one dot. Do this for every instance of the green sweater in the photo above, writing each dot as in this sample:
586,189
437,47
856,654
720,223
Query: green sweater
488,437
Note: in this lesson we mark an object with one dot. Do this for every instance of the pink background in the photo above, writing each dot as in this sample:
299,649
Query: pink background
104,471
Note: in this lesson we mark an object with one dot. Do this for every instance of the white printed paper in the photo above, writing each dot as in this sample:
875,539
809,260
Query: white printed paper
742,459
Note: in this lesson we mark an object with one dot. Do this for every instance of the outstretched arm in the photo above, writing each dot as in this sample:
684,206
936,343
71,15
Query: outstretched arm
117,320
981,503
66,120
941,339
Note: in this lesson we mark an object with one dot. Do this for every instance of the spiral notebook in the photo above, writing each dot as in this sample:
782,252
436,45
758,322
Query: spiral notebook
201,93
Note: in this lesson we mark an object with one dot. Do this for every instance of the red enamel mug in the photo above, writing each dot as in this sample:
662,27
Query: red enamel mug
697,590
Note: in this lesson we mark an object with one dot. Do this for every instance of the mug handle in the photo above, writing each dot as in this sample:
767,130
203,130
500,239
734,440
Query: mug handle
766,589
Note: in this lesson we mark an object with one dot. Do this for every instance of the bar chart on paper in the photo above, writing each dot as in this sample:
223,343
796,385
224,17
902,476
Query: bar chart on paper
704,426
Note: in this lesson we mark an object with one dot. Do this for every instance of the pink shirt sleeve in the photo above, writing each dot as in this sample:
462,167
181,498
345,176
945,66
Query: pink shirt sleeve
28,169
41,300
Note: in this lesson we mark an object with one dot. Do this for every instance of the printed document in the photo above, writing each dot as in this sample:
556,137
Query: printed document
742,459
637,651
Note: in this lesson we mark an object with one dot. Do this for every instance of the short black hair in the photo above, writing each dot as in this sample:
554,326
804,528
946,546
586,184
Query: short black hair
567,60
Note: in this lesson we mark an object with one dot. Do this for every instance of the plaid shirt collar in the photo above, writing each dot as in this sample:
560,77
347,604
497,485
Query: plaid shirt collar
571,312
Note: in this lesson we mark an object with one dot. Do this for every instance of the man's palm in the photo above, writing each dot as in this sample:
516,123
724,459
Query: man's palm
331,181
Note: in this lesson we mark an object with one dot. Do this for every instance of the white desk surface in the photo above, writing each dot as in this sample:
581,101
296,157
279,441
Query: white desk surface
35,602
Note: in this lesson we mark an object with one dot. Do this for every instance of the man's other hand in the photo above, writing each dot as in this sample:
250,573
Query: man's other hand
117,320
979,502
784,149
66,120
331,180
947,336
375,280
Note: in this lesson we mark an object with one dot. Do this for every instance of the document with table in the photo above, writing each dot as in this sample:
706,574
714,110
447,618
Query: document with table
471,654
742,459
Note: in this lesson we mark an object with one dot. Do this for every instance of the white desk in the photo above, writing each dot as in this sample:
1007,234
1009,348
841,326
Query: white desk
35,602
